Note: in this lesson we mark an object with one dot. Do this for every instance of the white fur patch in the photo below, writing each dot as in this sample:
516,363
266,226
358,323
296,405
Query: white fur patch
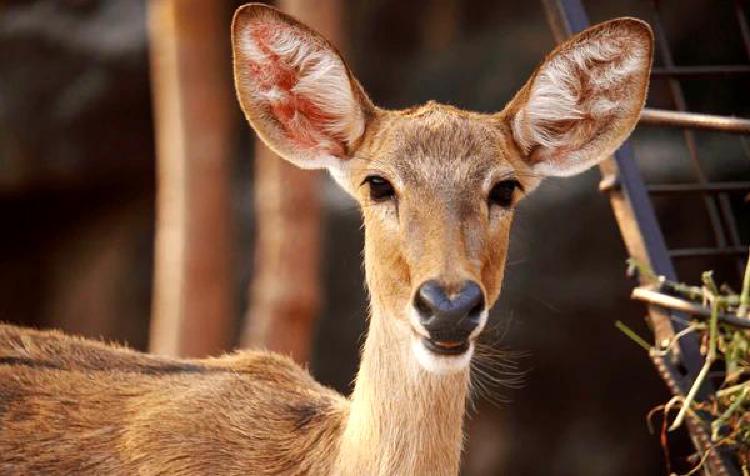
440,364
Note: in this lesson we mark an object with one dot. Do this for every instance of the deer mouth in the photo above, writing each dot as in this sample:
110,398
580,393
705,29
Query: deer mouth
446,347
442,354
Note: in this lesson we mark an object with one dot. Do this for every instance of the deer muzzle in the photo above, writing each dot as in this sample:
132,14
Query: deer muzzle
449,319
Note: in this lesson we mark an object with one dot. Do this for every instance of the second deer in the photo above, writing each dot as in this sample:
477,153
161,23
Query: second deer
437,187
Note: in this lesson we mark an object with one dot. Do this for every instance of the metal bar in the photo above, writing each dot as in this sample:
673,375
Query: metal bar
701,71
675,89
739,12
632,183
718,461
671,302
632,206
745,36
734,234
703,252
610,183
718,207
710,187
661,117
568,16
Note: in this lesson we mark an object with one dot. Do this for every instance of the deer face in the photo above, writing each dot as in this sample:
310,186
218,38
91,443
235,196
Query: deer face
438,186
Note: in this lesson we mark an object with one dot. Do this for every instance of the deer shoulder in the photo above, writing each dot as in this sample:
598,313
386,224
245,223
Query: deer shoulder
63,395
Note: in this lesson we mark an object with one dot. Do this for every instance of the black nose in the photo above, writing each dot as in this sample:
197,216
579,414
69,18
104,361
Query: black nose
449,318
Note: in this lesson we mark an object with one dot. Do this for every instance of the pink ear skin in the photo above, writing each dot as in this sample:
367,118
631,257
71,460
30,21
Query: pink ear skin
303,122
295,89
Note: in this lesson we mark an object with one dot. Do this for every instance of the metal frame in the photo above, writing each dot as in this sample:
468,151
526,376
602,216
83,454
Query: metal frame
659,117
631,203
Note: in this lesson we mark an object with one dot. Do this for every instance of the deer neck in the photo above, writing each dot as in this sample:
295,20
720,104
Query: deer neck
402,419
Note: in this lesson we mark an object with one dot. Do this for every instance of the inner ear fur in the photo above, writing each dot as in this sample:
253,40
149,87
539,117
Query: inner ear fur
295,88
584,99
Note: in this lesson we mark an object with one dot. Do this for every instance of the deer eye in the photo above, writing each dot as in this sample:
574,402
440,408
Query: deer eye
502,193
380,188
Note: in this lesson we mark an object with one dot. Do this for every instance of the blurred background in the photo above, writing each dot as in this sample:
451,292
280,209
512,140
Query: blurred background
136,205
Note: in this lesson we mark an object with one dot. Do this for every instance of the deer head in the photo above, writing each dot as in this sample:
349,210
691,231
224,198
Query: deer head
437,185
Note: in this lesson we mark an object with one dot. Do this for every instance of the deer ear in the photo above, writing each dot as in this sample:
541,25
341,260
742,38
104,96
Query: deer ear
295,89
585,98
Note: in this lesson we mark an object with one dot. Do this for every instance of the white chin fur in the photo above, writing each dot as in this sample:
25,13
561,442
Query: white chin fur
440,364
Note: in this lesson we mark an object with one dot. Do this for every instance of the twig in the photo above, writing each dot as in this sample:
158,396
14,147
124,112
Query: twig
710,356
641,270
716,424
745,294
633,336
666,348
730,390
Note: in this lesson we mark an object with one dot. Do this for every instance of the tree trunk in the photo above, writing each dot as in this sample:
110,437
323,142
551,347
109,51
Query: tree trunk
192,90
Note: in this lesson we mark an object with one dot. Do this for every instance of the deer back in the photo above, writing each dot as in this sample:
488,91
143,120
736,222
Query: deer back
75,406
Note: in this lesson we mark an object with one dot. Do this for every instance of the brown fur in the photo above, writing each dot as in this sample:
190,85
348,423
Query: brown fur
71,406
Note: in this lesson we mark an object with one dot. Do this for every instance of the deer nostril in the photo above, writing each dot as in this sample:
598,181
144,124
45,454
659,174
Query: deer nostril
478,308
470,301
422,305
430,298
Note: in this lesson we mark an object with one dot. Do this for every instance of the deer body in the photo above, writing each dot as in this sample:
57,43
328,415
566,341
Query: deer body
72,406
437,186
75,406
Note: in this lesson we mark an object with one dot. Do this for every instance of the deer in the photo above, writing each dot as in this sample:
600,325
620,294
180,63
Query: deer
437,188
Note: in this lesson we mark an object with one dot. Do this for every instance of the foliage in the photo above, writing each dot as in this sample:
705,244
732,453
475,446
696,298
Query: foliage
726,347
